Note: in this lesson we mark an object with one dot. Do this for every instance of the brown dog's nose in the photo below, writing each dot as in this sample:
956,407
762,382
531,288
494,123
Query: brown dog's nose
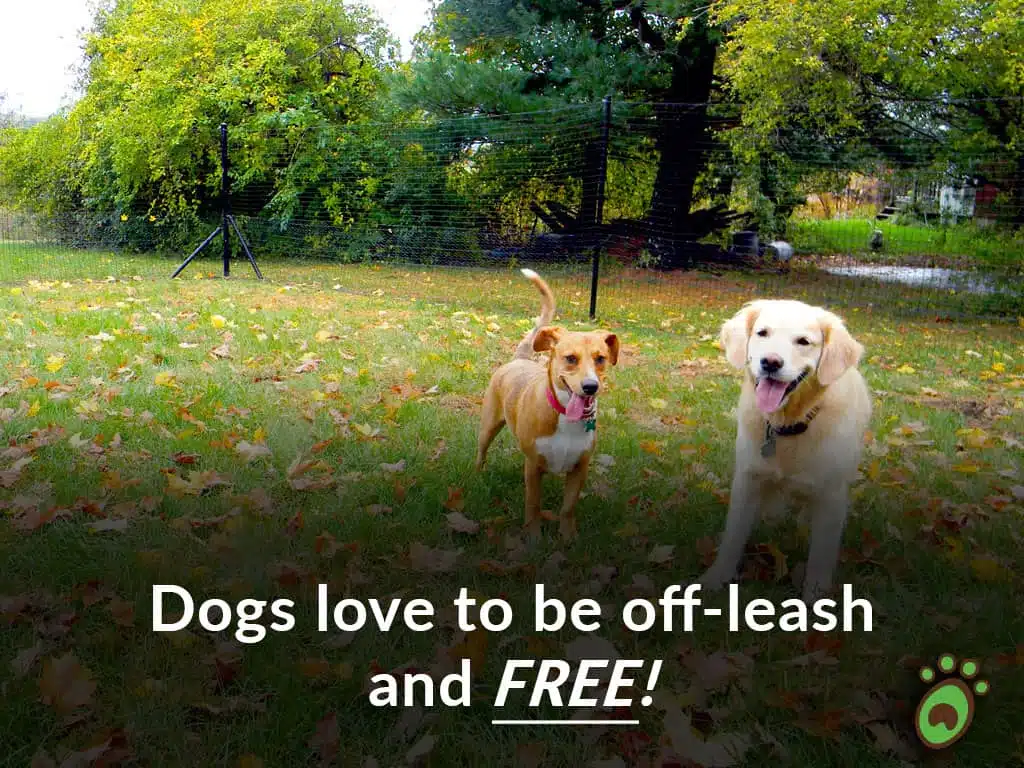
771,363
589,387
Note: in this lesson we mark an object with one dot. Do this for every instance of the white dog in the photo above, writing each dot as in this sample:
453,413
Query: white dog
802,414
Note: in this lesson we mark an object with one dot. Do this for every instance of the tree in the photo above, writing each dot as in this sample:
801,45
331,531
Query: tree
495,57
915,79
161,75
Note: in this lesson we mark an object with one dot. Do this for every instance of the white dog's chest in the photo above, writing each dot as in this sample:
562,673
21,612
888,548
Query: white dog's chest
563,449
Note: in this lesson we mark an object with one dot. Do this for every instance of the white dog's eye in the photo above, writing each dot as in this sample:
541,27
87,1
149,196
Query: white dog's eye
571,359
803,341
763,333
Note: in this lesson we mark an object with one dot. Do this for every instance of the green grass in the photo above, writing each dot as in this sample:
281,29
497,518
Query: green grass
965,245
133,389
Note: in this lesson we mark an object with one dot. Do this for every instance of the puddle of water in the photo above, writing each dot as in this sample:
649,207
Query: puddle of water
925,277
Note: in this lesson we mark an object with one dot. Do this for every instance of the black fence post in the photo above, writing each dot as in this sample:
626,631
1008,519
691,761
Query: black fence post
225,197
606,122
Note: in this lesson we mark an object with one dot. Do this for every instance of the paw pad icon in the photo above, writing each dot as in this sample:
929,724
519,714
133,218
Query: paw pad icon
947,708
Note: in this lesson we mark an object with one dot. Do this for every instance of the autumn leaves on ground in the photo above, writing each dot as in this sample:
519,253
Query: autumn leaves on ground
252,440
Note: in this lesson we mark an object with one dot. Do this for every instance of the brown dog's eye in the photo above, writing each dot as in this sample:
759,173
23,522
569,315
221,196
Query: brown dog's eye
599,359
763,332
802,341
571,359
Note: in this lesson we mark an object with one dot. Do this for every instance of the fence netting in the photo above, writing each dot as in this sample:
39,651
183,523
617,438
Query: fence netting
651,199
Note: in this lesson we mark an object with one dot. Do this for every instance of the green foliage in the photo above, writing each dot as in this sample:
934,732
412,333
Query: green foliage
910,71
162,75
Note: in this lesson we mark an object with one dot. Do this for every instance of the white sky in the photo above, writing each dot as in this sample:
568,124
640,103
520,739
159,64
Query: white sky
40,47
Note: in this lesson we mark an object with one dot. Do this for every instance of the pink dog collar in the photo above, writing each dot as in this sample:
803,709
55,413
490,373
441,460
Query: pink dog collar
554,402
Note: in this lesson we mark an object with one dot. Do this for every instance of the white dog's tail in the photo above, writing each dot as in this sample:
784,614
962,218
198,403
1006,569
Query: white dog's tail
547,313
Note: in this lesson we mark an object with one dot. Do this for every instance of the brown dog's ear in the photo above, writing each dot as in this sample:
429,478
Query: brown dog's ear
840,351
736,331
546,338
613,347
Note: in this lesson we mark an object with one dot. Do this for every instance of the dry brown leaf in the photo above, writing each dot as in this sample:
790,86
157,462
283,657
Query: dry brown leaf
65,684
421,750
326,740
461,524
722,751
424,558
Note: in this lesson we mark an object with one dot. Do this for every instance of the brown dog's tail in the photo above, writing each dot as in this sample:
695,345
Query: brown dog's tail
547,313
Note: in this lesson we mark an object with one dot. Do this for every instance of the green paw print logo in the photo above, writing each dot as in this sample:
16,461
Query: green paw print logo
947,709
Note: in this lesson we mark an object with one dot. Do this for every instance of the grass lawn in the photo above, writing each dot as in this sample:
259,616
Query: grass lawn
964,245
254,439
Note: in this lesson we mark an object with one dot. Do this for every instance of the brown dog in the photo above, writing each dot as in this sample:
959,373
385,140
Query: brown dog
552,409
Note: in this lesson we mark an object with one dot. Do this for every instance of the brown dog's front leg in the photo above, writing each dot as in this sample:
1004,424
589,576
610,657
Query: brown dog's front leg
533,475
573,486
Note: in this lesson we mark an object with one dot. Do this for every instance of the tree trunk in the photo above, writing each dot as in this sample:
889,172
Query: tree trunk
682,143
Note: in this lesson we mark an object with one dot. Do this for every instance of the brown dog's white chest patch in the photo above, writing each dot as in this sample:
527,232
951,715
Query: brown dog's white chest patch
562,451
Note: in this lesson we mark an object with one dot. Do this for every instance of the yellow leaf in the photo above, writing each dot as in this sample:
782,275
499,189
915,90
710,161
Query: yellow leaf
987,568
87,406
651,446
260,435
34,408
54,363
966,468
905,369
999,367
658,404
218,321
975,437
15,291
165,379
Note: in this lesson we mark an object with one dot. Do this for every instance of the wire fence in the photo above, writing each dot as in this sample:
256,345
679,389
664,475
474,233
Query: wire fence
619,203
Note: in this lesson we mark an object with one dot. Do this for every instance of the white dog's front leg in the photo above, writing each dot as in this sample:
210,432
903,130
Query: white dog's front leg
744,511
828,520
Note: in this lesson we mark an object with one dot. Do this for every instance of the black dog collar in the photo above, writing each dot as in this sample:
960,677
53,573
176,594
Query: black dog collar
786,430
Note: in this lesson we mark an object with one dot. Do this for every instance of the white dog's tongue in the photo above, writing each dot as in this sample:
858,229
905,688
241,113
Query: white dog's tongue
574,410
769,393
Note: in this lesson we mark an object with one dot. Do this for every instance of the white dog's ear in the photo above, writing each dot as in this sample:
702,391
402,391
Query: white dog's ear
840,351
736,331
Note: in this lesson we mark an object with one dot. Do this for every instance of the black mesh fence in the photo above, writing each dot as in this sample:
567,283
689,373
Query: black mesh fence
619,204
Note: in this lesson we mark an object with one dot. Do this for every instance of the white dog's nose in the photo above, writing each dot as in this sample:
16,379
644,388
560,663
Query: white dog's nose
771,363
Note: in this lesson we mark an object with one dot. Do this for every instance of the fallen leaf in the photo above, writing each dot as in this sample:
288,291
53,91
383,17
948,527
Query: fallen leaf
252,451
100,526
661,554
326,740
424,558
65,684
455,502
420,750
23,662
461,524
723,751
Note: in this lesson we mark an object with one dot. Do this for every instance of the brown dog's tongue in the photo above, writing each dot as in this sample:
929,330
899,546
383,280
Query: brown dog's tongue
574,410
769,394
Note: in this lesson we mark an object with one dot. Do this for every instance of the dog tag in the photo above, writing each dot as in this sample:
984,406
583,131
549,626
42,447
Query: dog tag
591,425
768,446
